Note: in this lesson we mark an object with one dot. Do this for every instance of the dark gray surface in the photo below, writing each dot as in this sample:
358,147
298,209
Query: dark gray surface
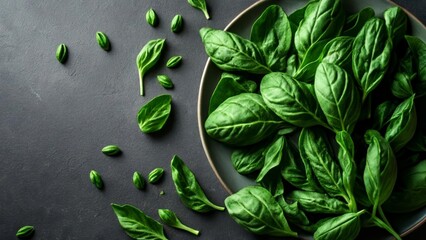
54,118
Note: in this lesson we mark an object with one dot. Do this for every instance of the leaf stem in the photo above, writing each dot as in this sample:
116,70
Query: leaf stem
219,208
382,214
141,84
188,229
385,226
206,13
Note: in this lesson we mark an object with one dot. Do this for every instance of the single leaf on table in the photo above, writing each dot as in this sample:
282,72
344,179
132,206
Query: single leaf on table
25,232
396,23
337,96
323,21
170,218
176,24
402,125
314,202
346,226
272,34
151,17
242,120
292,100
231,52
153,115
189,190
137,224
165,81
201,5
256,210
147,58
103,41
371,55
62,53
355,22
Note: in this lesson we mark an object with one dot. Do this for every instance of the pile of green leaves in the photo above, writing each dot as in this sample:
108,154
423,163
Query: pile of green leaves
322,104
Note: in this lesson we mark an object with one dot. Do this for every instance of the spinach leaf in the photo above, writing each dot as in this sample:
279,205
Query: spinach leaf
231,52
356,21
401,83
346,226
339,51
153,115
396,24
273,183
272,34
242,120
306,70
380,169
298,172
314,202
147,58
189,190
324,21
383,113
249,159
418,48
410,195
256,210
293,212
229,85
315,149
337,96
297,16
273,157
291,65
136,224
402,124
201,5
371,55
291,100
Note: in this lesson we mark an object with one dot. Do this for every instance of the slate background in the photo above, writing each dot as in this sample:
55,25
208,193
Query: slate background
54,118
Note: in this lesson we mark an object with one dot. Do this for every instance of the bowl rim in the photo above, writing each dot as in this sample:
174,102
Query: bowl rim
200,94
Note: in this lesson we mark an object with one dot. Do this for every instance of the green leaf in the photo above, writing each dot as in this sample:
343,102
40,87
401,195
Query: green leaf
136,224
103,41
151,17
155,175
418,48
273,157
272,34
402,124
380,169
371,55
314,202
147,58
138,181
62,53
339,51
201,5
256,210
316,150
176,24
153,115
396,24
249,159
231,52
174,61
324,21
355,22
25,232
293,212
297,16
306,71
165,81
111,150
383,113
96,179
291,100
337,96
170,218
346,226
189,190
242,120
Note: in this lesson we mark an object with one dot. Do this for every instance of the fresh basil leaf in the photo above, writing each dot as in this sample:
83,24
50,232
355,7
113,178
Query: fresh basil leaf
273,183
337,96
153,115
291,65
189,190
346,226
371,55
273,157
291,100
324,21
297,16
249,159
339,51
231,52
293,212
201,5
316,150
383,113
306,70
229,85
418,48
402,124
137,224
256,210
318,202
272,34
242,120
356,21
380,169
396,24
147,58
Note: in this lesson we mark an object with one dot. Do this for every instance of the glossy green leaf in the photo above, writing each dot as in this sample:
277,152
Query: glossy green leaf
96,179
383,113
396,23
255,209
170,218
314,202
189,190
418,47
111,150
273,157
355,22
307,68
138,181
174,61
165,81
153,115
151,17
231,52
103,41
25,232
137,224
155,175
339,51
346,226
249,159
177,24
201,5
62,53
242,120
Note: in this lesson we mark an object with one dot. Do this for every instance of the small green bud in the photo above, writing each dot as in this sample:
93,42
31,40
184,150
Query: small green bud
103,41
62,53
96,179
151,17
170,218
155,175
174,61
25,232
177,24
165,81
138,181
111,150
